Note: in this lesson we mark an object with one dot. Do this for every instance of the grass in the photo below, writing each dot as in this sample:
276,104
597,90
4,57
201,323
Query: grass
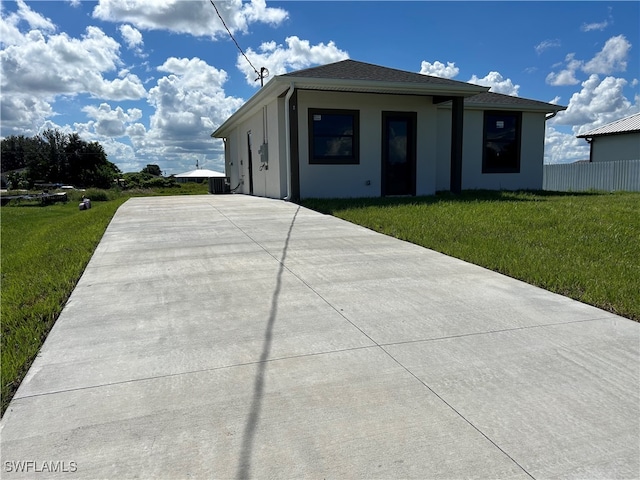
44,251
584,245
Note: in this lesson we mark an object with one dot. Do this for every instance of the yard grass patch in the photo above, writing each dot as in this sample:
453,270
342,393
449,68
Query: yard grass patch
44,252
583,245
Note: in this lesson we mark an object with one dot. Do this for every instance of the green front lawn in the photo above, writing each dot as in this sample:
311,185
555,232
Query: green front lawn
583,245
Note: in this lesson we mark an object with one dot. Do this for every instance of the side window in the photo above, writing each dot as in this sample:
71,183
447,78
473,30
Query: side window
334,136
502,131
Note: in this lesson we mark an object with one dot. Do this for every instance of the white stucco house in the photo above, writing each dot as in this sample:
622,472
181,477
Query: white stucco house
353,129
615,141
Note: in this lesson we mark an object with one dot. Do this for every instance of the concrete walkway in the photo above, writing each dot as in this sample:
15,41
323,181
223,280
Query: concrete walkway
233,337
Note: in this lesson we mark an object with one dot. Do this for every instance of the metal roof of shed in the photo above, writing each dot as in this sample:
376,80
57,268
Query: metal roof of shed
200,173
624,125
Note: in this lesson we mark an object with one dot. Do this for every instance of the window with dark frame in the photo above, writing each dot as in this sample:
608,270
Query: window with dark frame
334,137
502,132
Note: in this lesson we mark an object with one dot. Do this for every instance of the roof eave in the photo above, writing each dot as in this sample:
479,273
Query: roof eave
271,90
550,108
376,86
520,108
274,88
608,134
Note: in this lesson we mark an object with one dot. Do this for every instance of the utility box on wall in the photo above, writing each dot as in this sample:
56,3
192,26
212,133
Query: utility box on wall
264,153
219,185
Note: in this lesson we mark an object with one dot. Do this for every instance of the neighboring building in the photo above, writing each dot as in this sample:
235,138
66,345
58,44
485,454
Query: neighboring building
199,176
619,140
352,129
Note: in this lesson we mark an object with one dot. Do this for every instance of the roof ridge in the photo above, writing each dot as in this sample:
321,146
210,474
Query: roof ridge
350,69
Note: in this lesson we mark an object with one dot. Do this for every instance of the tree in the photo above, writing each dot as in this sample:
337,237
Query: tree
56,157
13,153
152,170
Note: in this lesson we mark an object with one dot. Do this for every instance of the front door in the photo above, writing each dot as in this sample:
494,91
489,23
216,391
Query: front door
398,153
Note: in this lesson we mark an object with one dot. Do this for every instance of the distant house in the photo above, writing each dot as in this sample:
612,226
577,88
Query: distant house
199,176
619,140
353,129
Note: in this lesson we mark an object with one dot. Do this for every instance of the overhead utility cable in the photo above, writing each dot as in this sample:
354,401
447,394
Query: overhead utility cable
263,73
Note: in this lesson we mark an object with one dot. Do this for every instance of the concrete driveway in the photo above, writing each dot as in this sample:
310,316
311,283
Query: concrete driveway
234,337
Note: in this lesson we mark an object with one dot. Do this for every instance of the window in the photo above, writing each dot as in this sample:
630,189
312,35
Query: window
501,142
334,136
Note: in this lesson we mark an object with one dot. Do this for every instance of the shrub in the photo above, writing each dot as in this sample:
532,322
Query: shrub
94,194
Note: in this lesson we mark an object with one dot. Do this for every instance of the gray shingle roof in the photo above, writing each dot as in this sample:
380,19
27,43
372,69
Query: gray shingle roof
499,99
361,77
354,70
361,71
624,125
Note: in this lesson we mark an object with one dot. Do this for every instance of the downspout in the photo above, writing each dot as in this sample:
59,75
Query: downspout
287,139
550,116
589,140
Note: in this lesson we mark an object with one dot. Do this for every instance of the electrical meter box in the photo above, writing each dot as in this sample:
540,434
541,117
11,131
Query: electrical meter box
264,153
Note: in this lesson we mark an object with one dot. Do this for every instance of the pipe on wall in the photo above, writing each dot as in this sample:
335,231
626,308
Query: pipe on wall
287,133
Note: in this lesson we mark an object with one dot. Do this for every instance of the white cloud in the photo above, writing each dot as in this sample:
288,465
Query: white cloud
612,57
33,19
588,27
38,67
118,152
190,17
566,76
189,103
279,59
60,65
598,102
9,26
439,69
132,36
560,147
547,44
497,82
23,114
111,123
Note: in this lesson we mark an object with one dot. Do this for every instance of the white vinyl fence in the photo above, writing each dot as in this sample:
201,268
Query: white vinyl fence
581,177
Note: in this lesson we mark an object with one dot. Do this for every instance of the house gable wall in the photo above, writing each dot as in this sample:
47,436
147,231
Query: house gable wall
326,181
610,148
265,127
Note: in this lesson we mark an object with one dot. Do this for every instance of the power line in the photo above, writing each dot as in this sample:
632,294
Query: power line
263,73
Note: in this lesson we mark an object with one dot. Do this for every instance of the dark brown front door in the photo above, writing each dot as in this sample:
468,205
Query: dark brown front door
398,153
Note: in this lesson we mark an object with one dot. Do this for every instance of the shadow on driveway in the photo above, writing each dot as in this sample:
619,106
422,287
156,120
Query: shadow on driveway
244,465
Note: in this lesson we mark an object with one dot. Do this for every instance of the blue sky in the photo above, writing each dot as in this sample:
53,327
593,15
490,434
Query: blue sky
150,80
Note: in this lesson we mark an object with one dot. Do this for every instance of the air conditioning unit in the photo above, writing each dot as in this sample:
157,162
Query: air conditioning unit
219,185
